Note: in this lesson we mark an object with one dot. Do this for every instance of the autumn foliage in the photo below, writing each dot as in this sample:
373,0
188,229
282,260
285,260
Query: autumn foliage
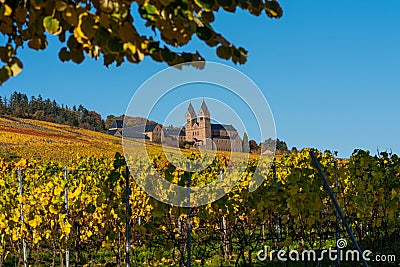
108,28
228,231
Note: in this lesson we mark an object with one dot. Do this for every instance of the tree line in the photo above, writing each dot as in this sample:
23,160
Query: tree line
252,146
20,106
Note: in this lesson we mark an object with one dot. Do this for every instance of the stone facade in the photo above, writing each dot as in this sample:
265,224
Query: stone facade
205,134
148,132
116,128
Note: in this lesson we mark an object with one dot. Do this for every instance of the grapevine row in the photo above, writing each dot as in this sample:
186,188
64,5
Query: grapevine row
290,210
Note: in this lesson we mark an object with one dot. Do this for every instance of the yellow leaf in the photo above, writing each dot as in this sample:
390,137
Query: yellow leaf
7,11
53,210
66,228
37,220
36,238
16,67
48,233
15,236
20,199
57,191
21,163
89,233
129,47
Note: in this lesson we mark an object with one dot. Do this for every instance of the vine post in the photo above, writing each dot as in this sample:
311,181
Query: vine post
277,217
337,214
66,214
22,216
128,217
224,228
189,227
338,209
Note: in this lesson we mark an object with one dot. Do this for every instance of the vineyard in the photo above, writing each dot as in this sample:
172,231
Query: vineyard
291,210
26,138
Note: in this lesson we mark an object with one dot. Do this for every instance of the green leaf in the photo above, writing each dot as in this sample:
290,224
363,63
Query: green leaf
72,43
77,56
64,54
37,43
115,45
167,55
108,59
207,17
61,5
273,9
5,73
51,25
90,208
101,37
204,33
89,27
149,11
132,58
255,3
239,55
224,3
206,4
38,3
187,57
21,14
224,52
4,54
70,15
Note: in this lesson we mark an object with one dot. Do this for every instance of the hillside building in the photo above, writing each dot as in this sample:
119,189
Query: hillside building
203,133
198,130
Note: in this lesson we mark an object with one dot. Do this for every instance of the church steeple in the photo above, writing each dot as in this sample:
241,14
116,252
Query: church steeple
204,112
190,113
205,123
191,122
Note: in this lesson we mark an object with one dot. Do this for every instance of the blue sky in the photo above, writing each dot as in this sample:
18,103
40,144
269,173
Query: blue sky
330,71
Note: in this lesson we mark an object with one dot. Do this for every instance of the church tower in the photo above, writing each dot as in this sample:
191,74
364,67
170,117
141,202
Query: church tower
204,123
191,123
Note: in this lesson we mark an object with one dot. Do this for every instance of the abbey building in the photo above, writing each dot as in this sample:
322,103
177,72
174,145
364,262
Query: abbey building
200,131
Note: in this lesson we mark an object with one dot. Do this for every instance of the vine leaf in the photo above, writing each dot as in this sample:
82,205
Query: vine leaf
51,25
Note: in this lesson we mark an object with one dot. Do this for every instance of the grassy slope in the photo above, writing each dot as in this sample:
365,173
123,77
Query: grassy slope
44,140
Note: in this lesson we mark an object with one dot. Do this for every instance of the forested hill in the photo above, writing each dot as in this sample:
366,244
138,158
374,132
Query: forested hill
19,105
